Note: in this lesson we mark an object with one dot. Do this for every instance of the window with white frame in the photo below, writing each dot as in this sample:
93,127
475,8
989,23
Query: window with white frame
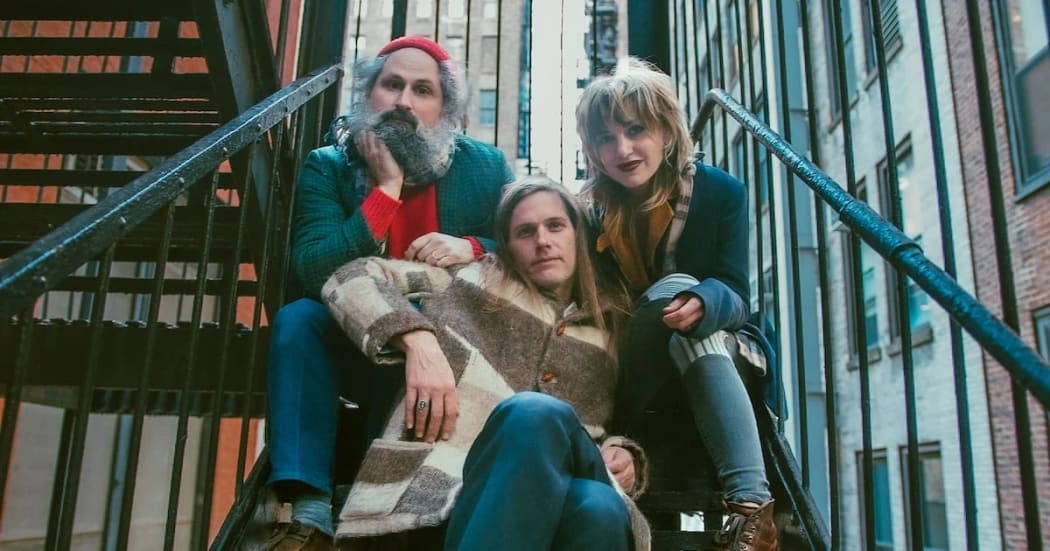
358,46
490,9
457,9
454,45
424,9
360,8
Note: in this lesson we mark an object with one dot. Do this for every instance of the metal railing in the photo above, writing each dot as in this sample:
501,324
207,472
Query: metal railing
829,115
990,332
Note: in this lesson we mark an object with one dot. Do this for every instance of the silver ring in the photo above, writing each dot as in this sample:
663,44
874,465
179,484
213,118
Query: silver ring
421,405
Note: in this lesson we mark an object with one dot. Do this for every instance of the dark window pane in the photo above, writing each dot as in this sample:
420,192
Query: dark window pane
734,44
883,511
488,54
881,507
487,102
934,514
1027,21
833,54
1042,324
1031,83
1028,63
716,59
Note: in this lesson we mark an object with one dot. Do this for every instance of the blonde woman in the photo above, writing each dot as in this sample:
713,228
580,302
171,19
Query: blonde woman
676,232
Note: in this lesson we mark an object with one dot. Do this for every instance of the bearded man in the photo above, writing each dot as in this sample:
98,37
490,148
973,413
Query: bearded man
400,181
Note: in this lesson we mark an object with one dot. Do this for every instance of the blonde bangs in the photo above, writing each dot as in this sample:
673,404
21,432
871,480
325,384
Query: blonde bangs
636,91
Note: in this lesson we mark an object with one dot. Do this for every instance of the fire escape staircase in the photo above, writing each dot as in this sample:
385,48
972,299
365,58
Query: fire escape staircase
233,131
149,101
187,124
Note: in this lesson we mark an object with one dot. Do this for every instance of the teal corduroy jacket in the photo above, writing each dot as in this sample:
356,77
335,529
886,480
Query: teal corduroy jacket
330,230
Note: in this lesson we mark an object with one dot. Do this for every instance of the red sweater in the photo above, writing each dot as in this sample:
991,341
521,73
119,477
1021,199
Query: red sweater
403,221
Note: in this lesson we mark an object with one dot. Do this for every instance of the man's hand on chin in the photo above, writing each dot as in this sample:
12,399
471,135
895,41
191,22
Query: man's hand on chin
382,167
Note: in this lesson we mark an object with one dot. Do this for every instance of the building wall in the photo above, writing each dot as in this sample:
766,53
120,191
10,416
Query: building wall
1028,227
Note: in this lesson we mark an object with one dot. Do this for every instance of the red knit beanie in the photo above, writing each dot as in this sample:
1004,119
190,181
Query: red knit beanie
433,49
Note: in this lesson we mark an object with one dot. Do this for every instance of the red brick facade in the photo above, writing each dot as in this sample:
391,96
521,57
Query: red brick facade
1028,222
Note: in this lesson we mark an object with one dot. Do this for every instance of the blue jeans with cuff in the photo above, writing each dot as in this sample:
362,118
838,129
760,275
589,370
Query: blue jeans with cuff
534,479
313,363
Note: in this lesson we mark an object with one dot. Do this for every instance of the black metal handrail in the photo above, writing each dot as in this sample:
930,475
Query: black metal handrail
40,266
1023,363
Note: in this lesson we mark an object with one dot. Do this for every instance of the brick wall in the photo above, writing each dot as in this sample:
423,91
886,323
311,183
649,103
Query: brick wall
1029,237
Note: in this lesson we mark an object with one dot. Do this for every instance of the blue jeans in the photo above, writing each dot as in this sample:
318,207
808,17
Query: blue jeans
312,363
534,479
717,398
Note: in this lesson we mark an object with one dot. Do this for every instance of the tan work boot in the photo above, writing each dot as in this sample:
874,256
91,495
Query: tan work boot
749,527
298,537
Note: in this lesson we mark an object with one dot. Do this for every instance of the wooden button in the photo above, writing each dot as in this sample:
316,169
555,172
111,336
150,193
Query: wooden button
547,377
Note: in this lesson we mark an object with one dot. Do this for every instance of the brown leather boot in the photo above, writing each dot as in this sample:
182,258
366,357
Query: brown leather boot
748,528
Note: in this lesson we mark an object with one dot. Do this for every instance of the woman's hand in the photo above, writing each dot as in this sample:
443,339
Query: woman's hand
441,250
386,173
620,463
431,404
684,312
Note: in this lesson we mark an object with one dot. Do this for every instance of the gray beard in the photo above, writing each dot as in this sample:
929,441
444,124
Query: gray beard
422,153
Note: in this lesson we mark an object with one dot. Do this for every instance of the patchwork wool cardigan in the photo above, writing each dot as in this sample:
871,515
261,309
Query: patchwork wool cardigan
498,342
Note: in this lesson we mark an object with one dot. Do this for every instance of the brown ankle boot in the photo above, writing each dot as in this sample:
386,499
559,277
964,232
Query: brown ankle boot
748,528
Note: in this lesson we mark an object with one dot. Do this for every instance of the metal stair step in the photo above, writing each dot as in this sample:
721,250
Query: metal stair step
94,140
35,121
81,178
122,355
105,85
158,402
76,46
678,501
144,286
24,223
41,119
11,107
